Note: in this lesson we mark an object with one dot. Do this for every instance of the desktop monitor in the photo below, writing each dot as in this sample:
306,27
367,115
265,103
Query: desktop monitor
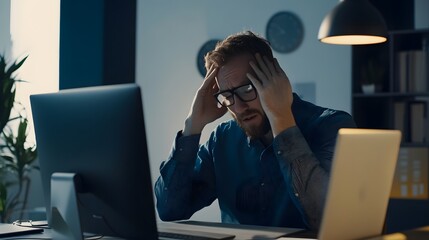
93,141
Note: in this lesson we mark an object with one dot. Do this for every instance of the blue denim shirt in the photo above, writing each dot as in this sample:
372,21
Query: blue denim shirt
282,185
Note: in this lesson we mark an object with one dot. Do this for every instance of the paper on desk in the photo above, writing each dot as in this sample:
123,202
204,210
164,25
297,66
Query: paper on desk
289,238
243,232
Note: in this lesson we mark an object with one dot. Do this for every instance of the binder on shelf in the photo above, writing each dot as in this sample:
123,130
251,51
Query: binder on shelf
411,174
418,71
418,122
402,71
412,71
399,120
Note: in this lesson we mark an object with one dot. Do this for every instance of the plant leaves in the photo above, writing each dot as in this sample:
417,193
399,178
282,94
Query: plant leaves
15,66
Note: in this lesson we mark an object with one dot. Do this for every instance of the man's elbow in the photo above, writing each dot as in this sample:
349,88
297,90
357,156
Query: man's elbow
167,213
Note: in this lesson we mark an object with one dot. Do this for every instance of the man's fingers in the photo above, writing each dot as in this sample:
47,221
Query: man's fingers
278,68
270,65
263,66
255,81
209,80
262,77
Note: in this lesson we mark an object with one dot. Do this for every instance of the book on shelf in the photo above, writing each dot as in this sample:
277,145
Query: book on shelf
402,70
399,120
412,119
411,174
412,71
418,121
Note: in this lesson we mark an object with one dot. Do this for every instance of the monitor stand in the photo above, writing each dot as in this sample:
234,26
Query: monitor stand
65,222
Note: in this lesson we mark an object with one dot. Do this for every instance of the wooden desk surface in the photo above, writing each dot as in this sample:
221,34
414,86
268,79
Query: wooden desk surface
415,234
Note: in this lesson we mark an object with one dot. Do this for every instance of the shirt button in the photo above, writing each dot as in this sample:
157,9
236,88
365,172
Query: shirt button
180,149
279,152
262,184
296,195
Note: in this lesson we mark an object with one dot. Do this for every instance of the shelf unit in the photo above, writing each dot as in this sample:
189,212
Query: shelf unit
377,110
401,101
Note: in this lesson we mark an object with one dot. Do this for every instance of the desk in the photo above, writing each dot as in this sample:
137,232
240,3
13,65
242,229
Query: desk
241,232
415,234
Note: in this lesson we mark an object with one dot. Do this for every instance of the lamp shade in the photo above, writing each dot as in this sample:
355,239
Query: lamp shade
353,22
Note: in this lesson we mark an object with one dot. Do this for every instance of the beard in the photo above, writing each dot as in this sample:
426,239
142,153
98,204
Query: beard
253,131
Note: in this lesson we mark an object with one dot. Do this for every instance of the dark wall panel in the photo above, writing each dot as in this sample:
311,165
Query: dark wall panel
97,42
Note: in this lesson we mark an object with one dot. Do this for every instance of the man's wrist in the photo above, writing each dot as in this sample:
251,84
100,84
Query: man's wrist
191,129
280,125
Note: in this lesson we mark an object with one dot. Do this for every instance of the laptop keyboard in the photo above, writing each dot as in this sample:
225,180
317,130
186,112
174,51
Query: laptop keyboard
192,235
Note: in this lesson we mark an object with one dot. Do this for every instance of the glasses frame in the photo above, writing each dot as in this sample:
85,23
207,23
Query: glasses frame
233,93
31,224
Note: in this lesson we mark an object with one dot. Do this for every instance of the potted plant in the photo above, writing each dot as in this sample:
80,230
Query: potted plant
371,76
16,154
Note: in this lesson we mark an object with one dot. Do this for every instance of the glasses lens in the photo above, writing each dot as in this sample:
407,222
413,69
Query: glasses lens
246,92
226,99
23,223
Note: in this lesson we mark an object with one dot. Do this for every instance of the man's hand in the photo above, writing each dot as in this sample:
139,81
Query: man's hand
275,93
204,108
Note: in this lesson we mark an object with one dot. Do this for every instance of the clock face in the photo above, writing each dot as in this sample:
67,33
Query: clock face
205,48
285,32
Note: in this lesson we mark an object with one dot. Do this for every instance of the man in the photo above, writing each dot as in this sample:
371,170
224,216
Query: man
270,165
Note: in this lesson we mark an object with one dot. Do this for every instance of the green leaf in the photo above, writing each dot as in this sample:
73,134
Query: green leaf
7,89
3,197
15,66
7,158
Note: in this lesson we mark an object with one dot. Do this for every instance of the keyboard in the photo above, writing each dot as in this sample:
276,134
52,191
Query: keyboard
191,235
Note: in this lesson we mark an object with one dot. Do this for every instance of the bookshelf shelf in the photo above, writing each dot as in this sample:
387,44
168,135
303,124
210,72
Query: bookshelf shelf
391,94
402,99
411,144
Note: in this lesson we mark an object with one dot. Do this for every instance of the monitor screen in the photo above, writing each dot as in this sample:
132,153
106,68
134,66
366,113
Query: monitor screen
98,133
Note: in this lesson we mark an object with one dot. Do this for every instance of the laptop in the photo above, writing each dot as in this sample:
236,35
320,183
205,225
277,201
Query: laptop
11,230
359,188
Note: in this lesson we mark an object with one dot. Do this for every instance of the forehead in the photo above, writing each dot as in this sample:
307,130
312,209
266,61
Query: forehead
233,73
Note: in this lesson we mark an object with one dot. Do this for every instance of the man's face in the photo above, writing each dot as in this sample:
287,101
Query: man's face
249,115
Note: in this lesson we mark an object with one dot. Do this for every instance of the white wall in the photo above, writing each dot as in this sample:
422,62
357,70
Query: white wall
421,16
34,31
170,33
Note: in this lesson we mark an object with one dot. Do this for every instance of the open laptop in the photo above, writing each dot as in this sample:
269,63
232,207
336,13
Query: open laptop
359,188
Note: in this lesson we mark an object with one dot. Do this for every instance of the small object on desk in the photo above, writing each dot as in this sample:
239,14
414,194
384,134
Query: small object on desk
291,238
10,230
173,230
192,235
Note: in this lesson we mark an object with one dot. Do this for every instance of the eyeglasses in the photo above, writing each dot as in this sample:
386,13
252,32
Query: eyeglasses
30,223
245,93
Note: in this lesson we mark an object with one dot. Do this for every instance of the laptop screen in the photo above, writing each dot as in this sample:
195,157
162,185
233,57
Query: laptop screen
360,183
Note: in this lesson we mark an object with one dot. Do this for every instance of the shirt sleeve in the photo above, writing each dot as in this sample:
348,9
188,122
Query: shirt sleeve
187,181
307,170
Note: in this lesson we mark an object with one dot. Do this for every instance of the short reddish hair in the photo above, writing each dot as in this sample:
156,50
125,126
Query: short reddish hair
237,44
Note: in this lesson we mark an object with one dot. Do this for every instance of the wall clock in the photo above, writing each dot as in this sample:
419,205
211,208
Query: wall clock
285,32
205,48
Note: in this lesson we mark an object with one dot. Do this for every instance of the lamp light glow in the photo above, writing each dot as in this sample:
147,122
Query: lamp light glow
353,22
353,39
